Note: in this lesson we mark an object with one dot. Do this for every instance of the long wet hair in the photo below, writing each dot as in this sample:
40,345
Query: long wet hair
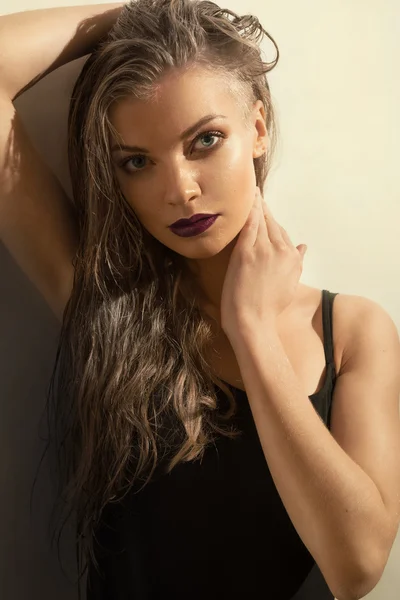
131,354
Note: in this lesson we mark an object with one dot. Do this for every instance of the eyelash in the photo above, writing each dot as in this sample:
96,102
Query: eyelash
217,134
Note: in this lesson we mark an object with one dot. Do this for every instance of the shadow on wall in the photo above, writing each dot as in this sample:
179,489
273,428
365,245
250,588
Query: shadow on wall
29,566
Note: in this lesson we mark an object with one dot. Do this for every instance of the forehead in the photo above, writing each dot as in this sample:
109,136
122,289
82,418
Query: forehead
180,99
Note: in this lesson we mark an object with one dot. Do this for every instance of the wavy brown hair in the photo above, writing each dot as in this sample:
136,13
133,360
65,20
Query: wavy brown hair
132,388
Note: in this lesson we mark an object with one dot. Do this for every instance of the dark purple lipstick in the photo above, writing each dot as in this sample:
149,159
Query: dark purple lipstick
193,226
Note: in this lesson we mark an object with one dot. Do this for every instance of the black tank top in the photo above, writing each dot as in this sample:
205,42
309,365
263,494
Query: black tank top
213,529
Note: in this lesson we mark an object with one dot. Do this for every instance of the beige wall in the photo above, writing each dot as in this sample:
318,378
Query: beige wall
335,186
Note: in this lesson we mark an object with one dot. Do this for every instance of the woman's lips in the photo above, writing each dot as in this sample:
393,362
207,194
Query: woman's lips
194,228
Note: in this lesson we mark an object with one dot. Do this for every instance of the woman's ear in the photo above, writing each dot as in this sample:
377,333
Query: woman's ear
260,144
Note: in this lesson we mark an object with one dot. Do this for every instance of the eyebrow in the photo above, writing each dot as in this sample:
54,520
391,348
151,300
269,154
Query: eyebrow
189,131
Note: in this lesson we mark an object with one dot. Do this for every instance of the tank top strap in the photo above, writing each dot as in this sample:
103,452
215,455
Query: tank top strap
327,306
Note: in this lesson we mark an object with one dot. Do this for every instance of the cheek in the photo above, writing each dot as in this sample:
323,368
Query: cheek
239,159
237,173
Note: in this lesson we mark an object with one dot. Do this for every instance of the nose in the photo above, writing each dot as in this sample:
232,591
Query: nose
180,183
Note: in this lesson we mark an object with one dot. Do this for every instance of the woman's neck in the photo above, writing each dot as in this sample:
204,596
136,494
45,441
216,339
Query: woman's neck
209,274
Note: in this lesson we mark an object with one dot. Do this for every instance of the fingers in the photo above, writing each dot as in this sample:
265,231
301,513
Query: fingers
262,233
263,228
275,233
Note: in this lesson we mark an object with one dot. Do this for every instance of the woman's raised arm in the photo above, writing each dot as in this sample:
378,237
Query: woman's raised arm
36,42
36,223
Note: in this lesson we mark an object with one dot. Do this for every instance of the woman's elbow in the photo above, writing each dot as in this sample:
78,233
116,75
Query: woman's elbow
362,582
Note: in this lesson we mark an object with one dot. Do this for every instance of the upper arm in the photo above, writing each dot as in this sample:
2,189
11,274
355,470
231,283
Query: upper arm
36,223
365,410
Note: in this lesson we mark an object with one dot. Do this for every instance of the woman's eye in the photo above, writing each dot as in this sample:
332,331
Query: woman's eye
209,139
137,162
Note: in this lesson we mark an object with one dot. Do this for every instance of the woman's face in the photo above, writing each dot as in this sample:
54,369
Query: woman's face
171,176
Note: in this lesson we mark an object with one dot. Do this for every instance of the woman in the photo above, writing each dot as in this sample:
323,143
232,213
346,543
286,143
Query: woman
219,435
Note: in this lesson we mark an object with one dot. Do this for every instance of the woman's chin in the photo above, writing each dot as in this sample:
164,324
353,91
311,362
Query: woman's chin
201,249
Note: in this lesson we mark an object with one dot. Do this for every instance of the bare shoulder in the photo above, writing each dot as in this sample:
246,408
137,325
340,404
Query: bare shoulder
366,328
357,322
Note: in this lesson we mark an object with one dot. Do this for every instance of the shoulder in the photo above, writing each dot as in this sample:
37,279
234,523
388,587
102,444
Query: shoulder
360,325
366,328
